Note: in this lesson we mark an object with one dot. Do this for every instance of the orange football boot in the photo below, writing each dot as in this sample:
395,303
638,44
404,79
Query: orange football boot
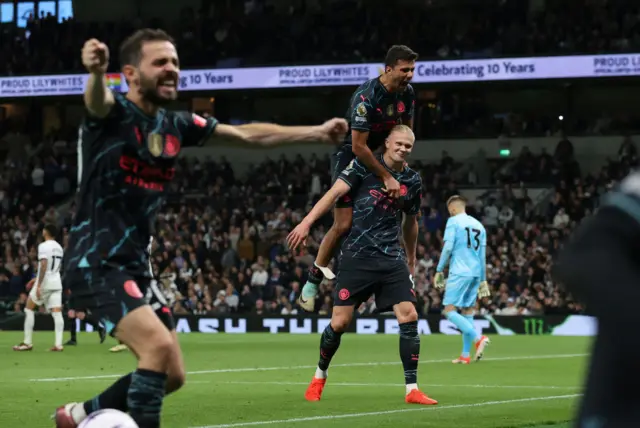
418,397
462,360
314,391
480,345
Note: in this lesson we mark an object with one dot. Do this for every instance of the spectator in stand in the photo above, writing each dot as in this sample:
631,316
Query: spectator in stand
561,219
491,214
509,309
223,232
505,217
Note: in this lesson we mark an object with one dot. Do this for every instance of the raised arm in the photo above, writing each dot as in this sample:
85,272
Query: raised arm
269,134
98,98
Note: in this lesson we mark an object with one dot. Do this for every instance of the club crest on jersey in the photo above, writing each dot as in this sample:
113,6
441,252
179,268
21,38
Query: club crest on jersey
403,190
361,110
390,110
172,146
155,144
401,107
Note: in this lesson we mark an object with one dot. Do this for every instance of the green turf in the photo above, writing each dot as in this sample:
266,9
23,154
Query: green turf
526,381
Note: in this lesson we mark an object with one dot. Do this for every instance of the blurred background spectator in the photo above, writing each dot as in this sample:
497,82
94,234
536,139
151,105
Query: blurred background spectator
220,246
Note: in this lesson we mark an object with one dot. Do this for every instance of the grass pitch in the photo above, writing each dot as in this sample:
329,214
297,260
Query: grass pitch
259,380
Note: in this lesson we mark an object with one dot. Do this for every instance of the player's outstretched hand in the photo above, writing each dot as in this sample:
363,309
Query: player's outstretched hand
483,291
391,187
333,130
438,280
95,56
298,236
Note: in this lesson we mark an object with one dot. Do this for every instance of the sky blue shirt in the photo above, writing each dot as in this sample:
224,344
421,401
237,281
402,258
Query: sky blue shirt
465,243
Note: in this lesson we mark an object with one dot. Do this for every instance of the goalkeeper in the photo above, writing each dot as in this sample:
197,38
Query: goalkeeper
465,243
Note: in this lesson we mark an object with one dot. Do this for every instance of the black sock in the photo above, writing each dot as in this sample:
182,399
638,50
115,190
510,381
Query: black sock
72,328
114,397
410,350
93,322
145,396
315,275
329,344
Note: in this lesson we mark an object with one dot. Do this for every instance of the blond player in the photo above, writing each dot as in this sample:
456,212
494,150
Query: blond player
47,290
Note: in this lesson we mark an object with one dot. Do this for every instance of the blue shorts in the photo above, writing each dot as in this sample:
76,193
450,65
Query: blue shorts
461,291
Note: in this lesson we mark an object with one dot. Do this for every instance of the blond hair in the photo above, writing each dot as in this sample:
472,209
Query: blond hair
402,128
457,198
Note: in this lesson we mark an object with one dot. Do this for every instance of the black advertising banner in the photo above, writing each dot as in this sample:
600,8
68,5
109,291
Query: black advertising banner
554,325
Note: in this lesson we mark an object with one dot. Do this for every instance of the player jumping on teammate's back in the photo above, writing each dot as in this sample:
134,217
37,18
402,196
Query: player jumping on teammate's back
46,290
465,241
375,108
372,260
127,151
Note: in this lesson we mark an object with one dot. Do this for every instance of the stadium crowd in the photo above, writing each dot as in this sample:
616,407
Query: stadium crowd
220,243
224,33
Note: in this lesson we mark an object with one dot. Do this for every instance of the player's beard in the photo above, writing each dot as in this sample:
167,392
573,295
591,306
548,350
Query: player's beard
149,89
402,84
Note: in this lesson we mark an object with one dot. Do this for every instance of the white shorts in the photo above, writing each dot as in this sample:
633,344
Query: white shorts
48,298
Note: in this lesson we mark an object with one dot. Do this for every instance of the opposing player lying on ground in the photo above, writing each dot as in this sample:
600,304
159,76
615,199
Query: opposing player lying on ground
127,150
46,290
372,260
375,108
465,241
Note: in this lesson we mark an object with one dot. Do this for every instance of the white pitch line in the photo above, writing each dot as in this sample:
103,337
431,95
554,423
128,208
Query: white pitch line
389,412
395,385
266,369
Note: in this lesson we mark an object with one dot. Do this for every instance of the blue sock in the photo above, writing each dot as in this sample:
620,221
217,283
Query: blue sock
145,396
463,324
467,340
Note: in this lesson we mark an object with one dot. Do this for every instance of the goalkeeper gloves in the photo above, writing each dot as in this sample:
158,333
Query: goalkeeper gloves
483,291
438,280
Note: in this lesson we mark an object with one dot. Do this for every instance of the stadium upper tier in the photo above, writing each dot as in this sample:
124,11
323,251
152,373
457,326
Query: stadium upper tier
238,34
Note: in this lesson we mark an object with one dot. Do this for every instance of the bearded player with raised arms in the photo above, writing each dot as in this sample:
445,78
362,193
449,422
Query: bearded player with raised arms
127,150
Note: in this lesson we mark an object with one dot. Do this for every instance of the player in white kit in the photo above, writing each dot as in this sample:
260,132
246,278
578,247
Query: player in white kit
46,291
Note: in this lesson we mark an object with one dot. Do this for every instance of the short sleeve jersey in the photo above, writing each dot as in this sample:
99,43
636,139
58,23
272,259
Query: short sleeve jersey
375,110
125,162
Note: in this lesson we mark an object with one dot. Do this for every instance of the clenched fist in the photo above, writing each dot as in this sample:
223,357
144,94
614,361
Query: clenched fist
333,130
95,56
